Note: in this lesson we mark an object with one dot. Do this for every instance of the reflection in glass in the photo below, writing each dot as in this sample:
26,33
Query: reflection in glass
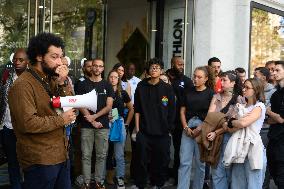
267,38
13,27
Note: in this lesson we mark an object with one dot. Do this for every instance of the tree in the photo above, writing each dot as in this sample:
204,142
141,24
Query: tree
266,40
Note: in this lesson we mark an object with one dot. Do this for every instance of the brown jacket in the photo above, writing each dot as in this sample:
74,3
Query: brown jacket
210,151
39,130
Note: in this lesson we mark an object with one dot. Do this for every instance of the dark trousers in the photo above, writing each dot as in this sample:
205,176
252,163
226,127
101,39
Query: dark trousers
9,144
275,159
48,176
110,162
176,137
155,152
133,163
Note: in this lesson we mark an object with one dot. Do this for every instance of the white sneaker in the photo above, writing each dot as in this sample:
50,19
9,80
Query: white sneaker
133,187
120,183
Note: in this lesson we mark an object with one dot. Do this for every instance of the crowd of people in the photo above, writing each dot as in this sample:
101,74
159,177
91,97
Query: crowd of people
216,121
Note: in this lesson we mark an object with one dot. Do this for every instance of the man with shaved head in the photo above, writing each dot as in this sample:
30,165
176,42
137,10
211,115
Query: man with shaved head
19,63
179,82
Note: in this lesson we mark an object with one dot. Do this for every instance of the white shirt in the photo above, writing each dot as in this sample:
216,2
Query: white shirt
7,117
133,84
257,125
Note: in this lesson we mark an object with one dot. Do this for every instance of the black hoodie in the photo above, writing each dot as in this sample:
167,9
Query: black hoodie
156,105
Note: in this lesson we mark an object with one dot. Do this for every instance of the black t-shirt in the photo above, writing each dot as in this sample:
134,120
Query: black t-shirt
119,101
197,102
276,131
104,90
180,85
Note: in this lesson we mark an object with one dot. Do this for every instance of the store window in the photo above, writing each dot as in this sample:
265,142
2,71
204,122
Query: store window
267,36
80,23
13,27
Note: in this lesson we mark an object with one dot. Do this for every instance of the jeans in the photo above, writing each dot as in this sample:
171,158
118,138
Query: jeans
221,176
119,155
9,144
245,178
188,151
88,137
48,176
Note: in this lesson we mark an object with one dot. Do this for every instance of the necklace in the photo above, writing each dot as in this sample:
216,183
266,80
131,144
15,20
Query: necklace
226,99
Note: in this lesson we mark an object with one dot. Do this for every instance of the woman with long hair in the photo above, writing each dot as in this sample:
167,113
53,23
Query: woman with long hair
117,148
224,102
248,166
193,111
120,68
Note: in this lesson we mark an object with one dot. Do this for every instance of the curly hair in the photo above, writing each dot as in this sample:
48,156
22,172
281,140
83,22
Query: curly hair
209,73
155,61
39,44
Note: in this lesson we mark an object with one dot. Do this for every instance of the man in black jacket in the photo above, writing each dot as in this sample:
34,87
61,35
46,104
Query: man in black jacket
179,82
154,119
275,148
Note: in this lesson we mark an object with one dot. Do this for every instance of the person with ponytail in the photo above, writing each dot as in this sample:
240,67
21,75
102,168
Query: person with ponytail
194,108
231,90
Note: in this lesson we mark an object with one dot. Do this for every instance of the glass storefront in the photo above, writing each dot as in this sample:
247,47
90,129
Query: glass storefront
117,31
13,27
267,36
22,19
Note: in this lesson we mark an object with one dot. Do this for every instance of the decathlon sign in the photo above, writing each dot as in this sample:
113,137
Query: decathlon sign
176,33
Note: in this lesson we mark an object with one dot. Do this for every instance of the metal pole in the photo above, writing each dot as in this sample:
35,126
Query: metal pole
35,20
43,16
51,16
185,34
29,21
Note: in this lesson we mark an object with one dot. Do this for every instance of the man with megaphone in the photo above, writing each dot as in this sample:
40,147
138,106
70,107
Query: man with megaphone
40,131
95,125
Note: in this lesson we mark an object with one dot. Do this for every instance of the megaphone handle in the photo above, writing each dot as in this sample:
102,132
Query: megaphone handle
66,109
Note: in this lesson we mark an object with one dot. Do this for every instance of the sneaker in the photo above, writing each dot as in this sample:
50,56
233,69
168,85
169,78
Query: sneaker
86,186
100,185
157,187
80,181
120,183
133,187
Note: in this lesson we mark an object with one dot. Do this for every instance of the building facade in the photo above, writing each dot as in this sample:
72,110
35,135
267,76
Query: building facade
241,33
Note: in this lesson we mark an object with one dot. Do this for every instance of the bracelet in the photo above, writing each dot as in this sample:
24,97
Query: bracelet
185,128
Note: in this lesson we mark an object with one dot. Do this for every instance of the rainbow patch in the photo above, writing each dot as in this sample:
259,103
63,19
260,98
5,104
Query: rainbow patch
165,101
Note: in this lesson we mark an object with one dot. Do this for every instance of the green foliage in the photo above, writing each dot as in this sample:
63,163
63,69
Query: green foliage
68,18
266,40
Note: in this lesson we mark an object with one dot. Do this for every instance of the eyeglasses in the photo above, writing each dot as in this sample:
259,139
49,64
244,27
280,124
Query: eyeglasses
113,77
155,68
246,87
98,66
20,59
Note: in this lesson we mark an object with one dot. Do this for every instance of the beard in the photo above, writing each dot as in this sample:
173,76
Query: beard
176,72
47,70
89,74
